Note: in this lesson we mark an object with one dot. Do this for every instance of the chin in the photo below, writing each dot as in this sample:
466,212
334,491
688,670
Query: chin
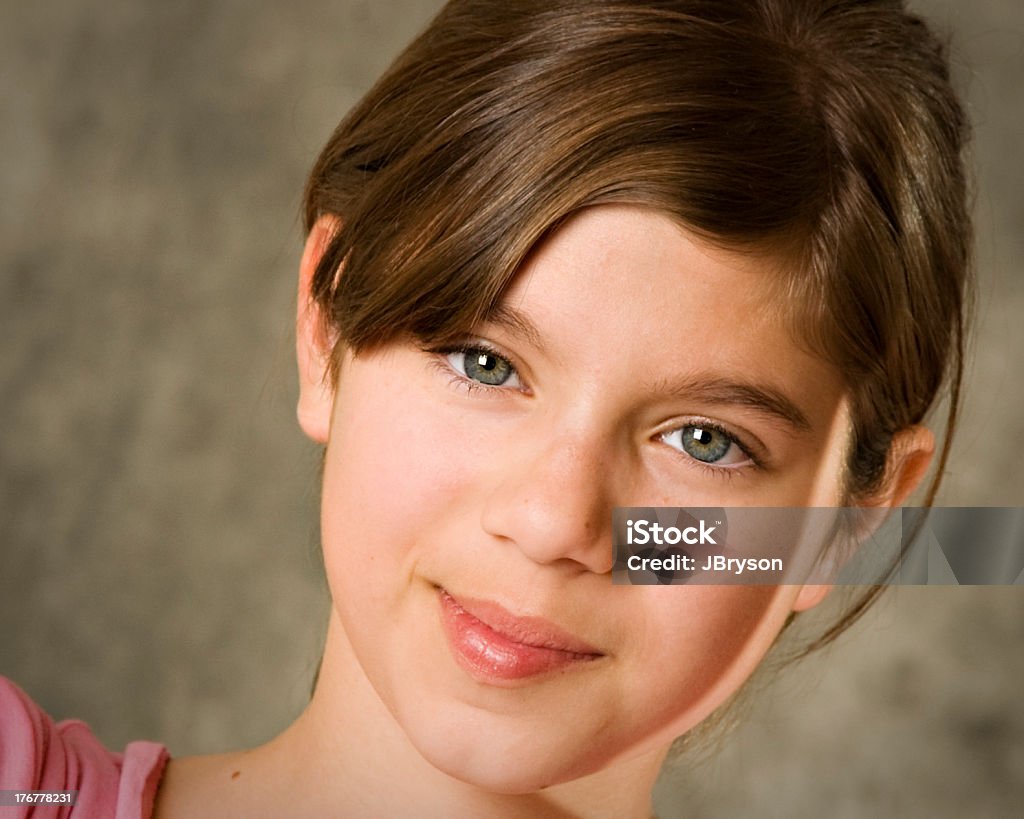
505,761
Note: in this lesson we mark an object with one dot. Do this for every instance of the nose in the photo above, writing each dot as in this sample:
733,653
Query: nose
552,501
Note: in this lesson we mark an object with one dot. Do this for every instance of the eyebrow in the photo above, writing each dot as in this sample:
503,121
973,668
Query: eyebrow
760,397
516,323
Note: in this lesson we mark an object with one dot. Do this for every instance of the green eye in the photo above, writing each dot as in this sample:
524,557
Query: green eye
486,367
707,444
483,366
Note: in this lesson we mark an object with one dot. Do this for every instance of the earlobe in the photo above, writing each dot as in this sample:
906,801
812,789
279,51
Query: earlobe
810,595
313,345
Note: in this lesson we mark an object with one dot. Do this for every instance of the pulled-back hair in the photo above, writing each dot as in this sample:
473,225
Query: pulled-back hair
823,133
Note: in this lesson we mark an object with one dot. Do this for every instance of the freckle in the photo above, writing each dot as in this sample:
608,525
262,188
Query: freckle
236,774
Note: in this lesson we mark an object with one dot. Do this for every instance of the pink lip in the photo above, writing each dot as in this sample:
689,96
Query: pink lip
494,645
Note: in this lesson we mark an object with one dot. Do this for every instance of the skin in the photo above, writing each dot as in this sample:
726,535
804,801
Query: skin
504,492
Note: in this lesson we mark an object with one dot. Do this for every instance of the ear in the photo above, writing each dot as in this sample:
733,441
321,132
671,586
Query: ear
910,455
312,344
810,595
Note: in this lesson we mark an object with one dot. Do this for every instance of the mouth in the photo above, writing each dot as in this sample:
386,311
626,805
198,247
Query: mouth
496,646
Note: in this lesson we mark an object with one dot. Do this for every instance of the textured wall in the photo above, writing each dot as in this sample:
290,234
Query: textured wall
159,573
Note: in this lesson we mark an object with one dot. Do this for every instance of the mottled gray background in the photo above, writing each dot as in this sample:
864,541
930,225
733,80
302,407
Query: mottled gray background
159,573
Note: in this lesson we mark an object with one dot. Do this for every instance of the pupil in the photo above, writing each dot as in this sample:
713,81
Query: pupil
488,362
702,436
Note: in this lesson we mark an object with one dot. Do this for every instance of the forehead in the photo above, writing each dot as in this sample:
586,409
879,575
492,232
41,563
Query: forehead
639,259
628,302
636,276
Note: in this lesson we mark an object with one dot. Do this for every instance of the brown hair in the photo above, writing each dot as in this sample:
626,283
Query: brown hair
824,132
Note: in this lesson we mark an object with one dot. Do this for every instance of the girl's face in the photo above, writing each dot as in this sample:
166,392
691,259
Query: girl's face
468,495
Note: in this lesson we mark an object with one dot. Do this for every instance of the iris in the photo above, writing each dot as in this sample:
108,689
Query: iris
704,444
486,367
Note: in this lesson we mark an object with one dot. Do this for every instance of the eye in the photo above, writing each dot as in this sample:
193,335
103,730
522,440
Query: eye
707,444
484,366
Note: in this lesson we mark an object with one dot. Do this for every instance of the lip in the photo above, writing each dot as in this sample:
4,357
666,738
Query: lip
496,646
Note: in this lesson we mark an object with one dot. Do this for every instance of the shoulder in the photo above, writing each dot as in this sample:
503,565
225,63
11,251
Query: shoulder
38,754
225,785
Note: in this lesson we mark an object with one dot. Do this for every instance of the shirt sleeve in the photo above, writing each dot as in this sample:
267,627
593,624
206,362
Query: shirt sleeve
37,754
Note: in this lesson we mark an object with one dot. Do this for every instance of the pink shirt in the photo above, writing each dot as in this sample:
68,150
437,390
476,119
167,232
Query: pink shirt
37,754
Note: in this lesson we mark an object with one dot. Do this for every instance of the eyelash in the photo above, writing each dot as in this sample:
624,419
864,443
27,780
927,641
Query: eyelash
470,386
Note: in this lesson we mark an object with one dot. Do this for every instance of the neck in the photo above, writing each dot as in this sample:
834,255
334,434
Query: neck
355,757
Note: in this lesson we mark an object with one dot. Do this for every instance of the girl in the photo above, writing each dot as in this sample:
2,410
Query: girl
571,256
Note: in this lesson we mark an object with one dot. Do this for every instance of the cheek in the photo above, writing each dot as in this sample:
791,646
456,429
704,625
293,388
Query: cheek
698,645
703,634
389,485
